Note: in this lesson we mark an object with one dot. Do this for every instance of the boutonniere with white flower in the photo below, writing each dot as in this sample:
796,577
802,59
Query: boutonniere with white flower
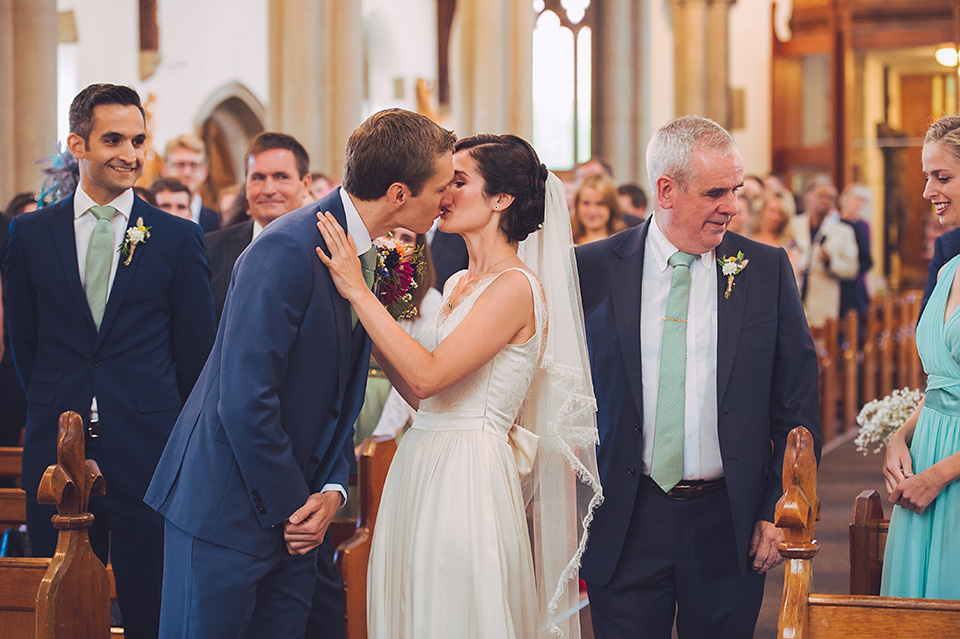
731,267
135,236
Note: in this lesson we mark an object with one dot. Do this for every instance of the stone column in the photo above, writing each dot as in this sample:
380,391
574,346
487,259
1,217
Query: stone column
491,61
701,55
316,75
28,92
618,98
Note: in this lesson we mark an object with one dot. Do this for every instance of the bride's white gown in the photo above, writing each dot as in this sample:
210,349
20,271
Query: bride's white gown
451,554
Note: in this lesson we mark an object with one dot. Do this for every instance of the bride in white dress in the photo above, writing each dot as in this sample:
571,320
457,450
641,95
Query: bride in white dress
487,502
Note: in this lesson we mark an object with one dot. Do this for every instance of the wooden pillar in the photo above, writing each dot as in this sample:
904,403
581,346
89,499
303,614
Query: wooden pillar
841,56
617,88
701,58
28,92
491,63
316,75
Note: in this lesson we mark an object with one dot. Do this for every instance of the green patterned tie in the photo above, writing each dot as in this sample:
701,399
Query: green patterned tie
667,465
368,262
96,278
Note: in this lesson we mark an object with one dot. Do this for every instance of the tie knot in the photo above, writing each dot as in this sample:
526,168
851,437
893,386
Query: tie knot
681,259
103,212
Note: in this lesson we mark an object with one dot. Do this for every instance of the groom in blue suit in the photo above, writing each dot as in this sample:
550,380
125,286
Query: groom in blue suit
692,549
120,340
255,468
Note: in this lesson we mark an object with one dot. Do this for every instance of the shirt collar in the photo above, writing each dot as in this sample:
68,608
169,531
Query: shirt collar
82,202
355,227
661,249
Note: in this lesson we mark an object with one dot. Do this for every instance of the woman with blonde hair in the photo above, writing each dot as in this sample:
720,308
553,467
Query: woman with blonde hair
596,210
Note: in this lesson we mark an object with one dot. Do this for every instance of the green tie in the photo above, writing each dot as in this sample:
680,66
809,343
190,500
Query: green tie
96,278
667,465
368,262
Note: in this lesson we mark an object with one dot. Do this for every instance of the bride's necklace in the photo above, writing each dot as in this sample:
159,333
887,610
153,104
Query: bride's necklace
467,287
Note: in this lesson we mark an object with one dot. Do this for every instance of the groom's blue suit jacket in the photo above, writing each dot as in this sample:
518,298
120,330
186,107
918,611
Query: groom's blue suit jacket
141,365
271,417
766,382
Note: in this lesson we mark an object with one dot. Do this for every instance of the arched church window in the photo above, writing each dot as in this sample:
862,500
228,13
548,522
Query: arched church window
562,81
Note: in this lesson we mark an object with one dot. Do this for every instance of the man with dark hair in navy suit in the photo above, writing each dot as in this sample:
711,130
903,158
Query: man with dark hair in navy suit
701,369
257,463
944,249
110,315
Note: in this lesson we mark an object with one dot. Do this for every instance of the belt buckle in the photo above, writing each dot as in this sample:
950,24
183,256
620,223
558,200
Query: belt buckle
93,429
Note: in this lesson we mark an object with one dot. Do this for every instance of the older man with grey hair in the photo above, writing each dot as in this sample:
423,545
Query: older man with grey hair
702,363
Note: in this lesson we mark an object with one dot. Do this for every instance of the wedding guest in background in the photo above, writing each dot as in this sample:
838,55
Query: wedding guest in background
633,203
25,202
225,198
172,196
145,195
321,185
945,247
237,212
753,188
856,208
744,222
13,401
185,158
775,224
596,207
922,464
828,252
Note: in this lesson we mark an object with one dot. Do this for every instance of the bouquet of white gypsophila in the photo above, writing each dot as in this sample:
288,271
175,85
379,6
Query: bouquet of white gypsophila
880,418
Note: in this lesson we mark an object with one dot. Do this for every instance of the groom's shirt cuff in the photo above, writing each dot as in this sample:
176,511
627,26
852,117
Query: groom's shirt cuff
339,489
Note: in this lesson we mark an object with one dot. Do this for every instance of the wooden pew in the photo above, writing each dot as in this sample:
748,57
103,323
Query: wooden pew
804,615
13,510
868,538
851,357
67,596
352,555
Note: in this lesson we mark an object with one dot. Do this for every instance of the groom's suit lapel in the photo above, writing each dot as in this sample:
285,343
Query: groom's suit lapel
126,272
626,278
63,236
730,313
341,307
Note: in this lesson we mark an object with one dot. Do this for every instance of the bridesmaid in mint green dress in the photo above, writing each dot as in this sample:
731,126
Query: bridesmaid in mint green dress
922,464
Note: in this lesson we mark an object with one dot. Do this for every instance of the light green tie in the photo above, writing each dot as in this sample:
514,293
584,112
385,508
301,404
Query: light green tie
96,278
368,262
667,465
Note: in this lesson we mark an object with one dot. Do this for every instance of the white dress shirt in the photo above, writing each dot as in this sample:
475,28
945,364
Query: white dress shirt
701,443
196,203
361,238
83,223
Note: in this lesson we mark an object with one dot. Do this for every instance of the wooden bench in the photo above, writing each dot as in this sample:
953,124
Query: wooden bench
804,615
353,555
67,596
868,537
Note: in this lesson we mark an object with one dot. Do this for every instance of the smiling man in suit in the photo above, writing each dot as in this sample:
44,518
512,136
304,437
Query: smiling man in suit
118,336
255,468
277,179
700,372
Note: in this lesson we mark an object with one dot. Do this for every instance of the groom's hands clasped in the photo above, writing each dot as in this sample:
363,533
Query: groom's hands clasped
305,529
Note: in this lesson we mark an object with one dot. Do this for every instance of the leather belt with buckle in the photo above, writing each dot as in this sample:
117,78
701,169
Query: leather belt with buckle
93,429
686,489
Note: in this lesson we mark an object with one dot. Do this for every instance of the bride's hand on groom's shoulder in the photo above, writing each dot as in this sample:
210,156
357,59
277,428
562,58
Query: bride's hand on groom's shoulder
340,258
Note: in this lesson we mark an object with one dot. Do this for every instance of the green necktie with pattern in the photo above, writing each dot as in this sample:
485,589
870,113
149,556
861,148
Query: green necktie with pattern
667,465
96,278
368,263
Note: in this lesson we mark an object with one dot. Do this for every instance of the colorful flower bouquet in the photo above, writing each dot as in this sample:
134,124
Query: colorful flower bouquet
400,270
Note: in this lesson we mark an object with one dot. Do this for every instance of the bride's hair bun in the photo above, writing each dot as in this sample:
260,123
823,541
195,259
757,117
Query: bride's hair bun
508,164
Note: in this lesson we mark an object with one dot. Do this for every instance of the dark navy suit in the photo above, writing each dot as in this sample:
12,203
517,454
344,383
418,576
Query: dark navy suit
266,426
766,385
223,248
209,220
157,328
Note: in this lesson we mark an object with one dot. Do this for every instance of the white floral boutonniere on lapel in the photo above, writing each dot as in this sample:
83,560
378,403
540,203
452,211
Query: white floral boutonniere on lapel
731,267
136,235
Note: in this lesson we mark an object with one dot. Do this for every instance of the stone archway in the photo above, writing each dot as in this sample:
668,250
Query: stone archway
227,122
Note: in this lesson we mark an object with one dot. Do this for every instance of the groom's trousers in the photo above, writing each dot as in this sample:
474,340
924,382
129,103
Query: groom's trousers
211,591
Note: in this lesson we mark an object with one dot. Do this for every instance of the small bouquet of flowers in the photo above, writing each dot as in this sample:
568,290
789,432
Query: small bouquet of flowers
880,418
400,270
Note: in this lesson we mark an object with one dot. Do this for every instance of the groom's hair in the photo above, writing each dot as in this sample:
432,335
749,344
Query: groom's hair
393,145
83,105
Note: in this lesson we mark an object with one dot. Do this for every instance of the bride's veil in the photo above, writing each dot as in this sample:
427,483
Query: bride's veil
564,488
